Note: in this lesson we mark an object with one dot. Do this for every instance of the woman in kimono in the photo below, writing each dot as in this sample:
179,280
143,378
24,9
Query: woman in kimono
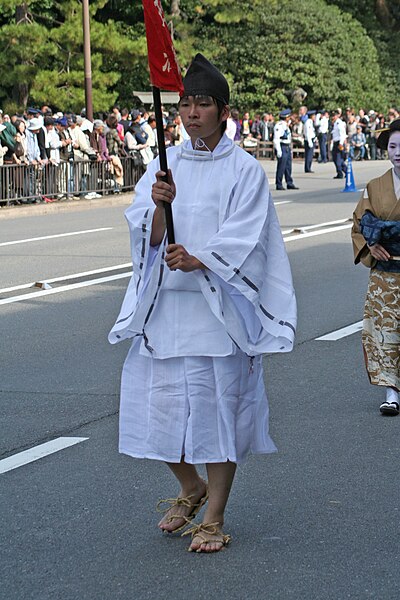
376,242
202,312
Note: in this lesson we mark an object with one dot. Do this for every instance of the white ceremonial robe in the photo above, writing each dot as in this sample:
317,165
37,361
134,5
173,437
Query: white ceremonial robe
192,383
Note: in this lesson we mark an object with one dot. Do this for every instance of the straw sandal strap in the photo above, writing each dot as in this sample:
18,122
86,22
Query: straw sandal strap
185,501
171,502
204,530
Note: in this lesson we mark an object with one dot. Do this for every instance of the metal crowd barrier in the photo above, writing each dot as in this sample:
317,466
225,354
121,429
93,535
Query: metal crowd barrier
25,184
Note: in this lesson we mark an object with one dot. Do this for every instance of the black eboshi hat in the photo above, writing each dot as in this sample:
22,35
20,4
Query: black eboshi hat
204,79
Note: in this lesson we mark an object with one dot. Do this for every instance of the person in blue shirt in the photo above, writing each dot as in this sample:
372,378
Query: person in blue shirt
357,142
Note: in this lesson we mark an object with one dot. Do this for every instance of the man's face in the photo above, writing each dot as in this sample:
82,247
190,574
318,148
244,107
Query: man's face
200,117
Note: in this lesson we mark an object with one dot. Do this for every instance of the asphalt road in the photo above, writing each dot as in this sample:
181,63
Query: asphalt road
319,520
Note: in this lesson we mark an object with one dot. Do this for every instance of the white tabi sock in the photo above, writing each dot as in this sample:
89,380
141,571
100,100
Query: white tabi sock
392,395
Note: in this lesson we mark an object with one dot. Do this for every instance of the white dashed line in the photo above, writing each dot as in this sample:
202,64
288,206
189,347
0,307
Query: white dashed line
37,452
51,237
341,333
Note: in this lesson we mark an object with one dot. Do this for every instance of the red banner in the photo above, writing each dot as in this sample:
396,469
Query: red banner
164,69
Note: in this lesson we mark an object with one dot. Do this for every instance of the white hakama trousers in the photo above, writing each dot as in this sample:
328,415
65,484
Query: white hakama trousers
205,409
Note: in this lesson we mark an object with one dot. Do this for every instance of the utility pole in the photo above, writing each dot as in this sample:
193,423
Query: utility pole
87,60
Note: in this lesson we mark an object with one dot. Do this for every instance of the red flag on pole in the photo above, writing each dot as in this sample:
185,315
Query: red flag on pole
164,69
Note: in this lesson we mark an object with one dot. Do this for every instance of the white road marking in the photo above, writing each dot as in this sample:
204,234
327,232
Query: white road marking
318,225
50,237
25,286
283,202
341,333
302,236
64,288
37,452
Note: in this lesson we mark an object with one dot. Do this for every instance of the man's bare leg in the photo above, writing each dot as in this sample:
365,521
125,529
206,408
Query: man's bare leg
191,485
220,479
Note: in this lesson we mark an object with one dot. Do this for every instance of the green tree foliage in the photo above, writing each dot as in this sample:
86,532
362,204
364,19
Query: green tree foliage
381,19
43,42
339,52
272,51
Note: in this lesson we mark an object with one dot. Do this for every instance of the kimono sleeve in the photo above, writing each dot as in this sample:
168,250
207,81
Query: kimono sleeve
360,248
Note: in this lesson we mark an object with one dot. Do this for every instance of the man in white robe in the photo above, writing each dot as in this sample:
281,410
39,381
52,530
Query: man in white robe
202,312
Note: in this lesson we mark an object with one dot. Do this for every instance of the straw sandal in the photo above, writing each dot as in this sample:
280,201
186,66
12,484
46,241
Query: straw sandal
171,502
203,531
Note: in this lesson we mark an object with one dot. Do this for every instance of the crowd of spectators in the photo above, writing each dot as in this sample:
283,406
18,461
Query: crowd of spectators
39,138
362,128
69,148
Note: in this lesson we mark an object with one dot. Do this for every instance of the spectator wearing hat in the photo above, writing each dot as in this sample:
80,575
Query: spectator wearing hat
141,153
61,126
140,135
80,142
34,157
98,140
54,141
169,134
81,152
32,149
115,149
65,179
53,144
152,139
282,143
357,144
309,140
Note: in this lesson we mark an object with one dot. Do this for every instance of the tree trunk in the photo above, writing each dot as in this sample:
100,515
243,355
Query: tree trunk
20,92
383,13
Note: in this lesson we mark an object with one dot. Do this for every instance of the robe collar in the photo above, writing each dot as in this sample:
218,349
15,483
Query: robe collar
224,148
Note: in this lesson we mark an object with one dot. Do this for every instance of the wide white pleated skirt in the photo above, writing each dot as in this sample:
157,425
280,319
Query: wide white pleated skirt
205,409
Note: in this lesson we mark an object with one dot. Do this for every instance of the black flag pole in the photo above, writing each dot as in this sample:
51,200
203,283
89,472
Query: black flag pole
163,160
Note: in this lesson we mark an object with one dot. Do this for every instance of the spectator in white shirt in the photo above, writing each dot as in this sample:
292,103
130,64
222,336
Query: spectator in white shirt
339,145
323,130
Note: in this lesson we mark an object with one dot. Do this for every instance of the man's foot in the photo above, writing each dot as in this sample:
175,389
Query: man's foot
280,188
308,171
207,537
338,177
389,408
292,187
181,510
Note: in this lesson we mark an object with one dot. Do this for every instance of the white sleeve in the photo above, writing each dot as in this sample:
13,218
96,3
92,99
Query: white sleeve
277,139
